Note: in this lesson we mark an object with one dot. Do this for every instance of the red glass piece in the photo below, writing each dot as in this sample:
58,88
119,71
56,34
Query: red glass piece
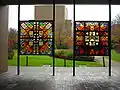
81,51
92,52
97,52
102,51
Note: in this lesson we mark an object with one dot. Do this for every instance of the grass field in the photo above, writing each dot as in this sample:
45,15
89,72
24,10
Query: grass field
115,56
46,60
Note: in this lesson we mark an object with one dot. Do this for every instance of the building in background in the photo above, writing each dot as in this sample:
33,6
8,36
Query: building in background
63,27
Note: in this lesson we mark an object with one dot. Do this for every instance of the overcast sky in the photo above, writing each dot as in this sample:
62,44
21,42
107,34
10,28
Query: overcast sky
82,12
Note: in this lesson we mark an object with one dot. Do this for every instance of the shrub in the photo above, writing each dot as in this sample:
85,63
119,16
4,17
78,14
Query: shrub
62,47
69,54
10,53
112,44
59,53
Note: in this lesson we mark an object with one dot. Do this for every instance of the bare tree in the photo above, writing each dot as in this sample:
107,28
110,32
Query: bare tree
116,20
116,32
61,35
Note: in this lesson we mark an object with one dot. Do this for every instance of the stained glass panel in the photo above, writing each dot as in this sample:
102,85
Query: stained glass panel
91,38
36,37
26,46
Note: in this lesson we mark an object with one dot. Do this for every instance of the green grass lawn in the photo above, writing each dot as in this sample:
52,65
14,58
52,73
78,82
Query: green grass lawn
47,60
115,56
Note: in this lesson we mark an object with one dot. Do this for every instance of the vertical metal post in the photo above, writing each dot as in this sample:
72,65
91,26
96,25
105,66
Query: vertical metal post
18,57
64,62
103,61
26,60
74,38
109,37
53,51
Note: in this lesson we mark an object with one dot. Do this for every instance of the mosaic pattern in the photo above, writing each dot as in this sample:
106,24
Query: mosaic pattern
36,37
91,38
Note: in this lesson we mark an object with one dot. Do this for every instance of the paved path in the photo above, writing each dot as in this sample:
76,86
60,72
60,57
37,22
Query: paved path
40,78
100,59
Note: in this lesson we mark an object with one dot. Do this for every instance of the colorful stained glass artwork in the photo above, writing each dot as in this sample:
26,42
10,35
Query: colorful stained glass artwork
45,46
80,26
79,38
26,46
36,37
103,26
91,38
92,26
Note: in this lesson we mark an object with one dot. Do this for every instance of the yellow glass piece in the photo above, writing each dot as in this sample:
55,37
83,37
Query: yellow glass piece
23,25
22,30
48,25
40,32
40,43
102,25
22,45
22,51
30,32
86,38
49,52
80,38
31,43
34,51
41,27
92,26
96,33
48,32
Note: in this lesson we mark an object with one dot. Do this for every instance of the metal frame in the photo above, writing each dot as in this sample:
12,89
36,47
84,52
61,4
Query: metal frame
53,37
28,2
18,59
88,31
53,21
109,36
74,38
